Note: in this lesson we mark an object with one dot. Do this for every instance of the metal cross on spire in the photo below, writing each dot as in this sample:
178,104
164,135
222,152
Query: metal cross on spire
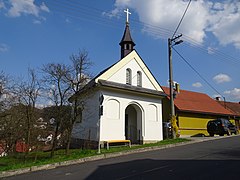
128,13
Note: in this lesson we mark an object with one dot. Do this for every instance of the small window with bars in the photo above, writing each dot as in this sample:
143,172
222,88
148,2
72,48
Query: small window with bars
128,76
139,78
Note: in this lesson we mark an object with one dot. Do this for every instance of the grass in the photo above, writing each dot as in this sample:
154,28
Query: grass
16,161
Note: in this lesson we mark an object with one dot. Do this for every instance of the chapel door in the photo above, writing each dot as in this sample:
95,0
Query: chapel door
132,124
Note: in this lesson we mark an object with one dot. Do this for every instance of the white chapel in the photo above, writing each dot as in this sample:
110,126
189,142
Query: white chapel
123,102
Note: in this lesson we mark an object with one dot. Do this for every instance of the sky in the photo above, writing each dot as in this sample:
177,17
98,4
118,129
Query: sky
37,32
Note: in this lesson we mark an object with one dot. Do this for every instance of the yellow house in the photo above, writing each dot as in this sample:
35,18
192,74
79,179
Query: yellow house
193,110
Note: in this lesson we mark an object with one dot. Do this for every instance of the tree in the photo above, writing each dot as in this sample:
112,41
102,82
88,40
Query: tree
5,94
61,82
79,76
11,118
27,92
12,127
58,88
2,82
51,113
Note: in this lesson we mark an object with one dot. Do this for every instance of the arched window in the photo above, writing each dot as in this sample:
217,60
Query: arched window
139,78
128,76
127,46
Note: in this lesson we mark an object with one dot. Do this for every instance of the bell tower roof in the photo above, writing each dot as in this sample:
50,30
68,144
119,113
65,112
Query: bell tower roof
127,36
127,44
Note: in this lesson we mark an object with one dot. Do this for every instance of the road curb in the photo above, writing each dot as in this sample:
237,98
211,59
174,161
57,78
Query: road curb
103,156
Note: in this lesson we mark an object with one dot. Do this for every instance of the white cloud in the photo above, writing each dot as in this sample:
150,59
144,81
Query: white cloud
221,78
40,106
167,14
2,5
221,18
4,47
197,85
211,50
114,13
234,93
36,21
225,22
39,20
67,20
27,7
43,7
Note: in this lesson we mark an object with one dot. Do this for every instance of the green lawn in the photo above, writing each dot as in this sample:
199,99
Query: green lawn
40,158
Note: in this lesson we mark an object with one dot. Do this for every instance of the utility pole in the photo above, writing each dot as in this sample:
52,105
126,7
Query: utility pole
172,112
172,42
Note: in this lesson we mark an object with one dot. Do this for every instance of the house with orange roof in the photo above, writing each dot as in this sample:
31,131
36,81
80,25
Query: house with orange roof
193,110
234,107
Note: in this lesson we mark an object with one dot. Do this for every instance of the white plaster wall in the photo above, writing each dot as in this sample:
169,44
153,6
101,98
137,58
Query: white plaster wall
120,76
154,123
112,122
114,128
89,127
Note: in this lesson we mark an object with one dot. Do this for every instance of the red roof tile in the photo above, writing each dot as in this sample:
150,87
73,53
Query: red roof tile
197,102
234,107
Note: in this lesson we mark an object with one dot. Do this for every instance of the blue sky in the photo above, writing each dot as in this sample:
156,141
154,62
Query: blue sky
36,32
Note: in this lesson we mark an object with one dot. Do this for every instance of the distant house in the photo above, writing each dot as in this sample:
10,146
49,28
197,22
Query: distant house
193,111
2,149
235,108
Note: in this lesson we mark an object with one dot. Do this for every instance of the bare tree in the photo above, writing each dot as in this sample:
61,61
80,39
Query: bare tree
2,82
79,76
27,92
12,127
5,91
62,81
4,123
11,116
58,88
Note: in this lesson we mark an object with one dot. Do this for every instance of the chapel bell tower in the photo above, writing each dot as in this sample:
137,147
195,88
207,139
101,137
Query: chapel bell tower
127,44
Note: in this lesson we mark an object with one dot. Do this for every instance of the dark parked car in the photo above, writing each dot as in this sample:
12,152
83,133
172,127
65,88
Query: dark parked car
221,126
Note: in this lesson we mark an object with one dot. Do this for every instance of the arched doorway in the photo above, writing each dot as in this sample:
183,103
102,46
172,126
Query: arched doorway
133,123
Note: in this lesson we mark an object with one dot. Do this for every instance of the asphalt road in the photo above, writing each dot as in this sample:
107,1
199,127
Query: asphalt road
217,159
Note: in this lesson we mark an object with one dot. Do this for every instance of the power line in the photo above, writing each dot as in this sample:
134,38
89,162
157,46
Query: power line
87,13
181,19
209,84
78,10
97,17
213,51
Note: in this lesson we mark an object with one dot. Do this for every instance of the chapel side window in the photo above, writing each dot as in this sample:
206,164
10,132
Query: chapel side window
128,76
139,79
